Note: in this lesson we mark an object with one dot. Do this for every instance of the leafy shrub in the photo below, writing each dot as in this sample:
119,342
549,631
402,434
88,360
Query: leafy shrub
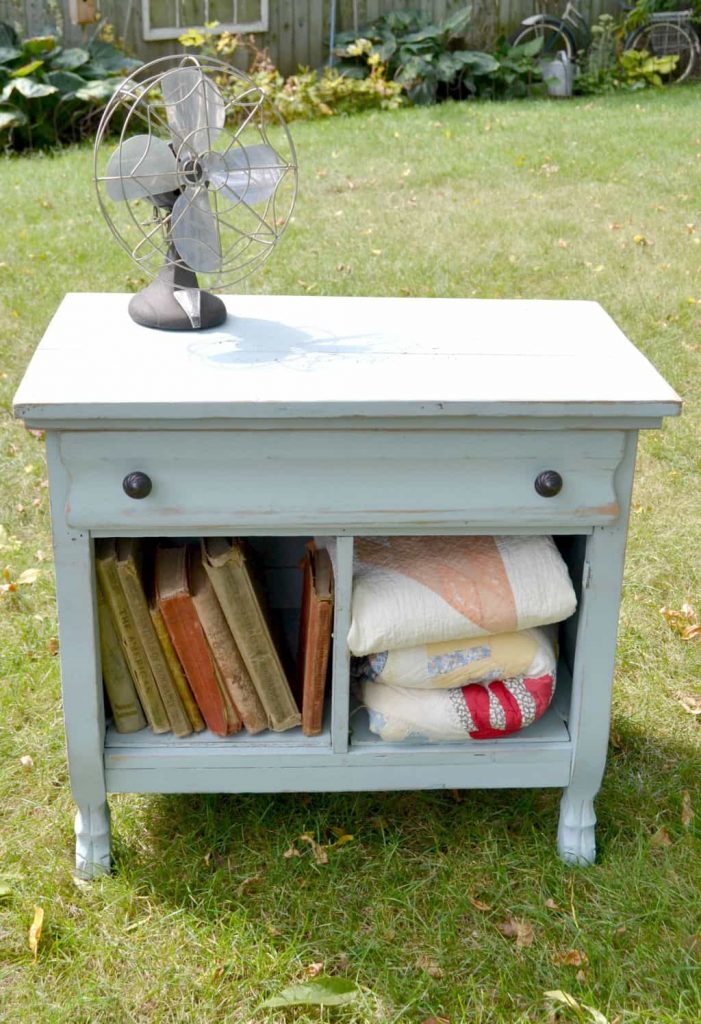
430,61
309,93
50,94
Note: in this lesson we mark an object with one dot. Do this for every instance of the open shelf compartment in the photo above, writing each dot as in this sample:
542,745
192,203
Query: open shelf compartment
290,761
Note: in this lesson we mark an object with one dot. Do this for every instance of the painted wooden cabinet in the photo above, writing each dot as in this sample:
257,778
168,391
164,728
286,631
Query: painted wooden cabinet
342,417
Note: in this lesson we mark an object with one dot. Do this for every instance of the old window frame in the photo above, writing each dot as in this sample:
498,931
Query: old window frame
152,33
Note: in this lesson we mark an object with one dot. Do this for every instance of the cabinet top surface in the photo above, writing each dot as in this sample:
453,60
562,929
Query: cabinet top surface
303,356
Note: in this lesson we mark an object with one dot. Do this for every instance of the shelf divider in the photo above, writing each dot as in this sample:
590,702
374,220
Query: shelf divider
340,684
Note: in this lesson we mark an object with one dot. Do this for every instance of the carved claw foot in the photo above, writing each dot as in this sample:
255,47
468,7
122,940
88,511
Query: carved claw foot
576,842
92,841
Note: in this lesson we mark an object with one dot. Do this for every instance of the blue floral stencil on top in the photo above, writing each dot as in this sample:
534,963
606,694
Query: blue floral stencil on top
442,663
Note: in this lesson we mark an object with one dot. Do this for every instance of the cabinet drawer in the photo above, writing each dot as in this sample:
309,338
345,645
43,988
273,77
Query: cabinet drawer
335,480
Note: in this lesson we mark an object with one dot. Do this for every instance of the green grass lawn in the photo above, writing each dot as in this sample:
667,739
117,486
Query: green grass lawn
204,917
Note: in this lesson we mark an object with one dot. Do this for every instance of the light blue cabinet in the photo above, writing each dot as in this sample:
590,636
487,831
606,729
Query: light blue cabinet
342,417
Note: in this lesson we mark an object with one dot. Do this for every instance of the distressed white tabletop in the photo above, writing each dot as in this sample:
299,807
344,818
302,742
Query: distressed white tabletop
309,356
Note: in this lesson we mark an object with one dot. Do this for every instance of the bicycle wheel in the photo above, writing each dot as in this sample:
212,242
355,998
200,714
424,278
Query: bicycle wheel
667,39
555,34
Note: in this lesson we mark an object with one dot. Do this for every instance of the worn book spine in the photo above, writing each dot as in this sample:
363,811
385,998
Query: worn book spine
233,718
151,702
176,670
191,647
314,643
130,577
225,564
127,712
233,672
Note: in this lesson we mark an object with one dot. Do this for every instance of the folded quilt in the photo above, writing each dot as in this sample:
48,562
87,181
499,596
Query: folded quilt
473,712
409,591
454,663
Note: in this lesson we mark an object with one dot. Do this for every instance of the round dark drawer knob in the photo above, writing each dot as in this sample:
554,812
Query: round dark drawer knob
137,485
548,483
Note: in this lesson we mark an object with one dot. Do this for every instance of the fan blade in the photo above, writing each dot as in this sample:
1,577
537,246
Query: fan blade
194,107
248,173
141,166
194,231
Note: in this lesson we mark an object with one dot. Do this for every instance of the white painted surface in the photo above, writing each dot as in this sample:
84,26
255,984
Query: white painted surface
305,356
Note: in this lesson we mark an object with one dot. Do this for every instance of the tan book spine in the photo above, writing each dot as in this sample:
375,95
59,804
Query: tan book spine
151,702
225,564
233,719
232,670
126,710
176,670
130,577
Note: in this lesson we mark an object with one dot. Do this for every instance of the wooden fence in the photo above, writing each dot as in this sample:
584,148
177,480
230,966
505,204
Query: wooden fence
298,31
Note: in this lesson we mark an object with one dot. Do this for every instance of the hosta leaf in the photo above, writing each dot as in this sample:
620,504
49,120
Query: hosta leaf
39,44
27,69
479,63
8,36
111,59
66,82
11,117
8,53
97,91
27,87
69,60
321,991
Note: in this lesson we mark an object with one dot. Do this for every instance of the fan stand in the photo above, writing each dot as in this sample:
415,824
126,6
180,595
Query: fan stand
175,302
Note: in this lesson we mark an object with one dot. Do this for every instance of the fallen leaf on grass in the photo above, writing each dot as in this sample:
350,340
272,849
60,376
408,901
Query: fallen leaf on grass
580,976
35,930
321,991
479,905
661,838
552,905
292,851
572,958
318,851
52,645
430,966
246,882
342,837
583,1011
517,929
682,621
687,809
690,703
27,761
313,970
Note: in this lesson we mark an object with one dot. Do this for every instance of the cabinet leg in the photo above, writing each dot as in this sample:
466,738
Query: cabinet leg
92,840
576,842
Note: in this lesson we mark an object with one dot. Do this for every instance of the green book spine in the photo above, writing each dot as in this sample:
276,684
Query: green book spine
129,570
234,585
106,568
126,710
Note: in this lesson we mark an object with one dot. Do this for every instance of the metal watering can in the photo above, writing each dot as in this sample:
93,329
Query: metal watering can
558,75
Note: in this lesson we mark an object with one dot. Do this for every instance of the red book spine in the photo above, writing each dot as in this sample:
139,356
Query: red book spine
191,647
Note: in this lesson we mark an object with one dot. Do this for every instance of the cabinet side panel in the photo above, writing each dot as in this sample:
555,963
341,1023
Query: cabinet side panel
81,677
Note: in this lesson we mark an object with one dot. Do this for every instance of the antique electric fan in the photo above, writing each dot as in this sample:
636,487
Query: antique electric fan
202,180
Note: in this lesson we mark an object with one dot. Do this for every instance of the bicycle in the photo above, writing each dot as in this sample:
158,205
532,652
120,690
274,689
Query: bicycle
570,33
667,34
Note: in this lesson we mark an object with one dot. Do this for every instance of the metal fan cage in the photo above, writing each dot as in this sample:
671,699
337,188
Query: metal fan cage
247,233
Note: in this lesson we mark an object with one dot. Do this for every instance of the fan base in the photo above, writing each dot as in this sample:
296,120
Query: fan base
173,302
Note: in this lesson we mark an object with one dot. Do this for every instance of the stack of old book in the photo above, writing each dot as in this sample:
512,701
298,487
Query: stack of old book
454,637
186,639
